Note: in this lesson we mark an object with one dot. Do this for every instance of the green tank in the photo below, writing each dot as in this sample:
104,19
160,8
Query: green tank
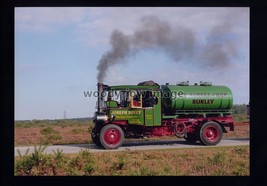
204,96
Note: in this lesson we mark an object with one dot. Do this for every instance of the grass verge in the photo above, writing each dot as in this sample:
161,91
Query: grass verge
217,161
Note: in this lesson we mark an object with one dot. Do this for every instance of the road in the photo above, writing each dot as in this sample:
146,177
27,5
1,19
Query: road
129,146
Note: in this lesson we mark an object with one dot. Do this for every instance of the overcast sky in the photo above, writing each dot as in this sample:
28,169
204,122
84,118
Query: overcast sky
57,51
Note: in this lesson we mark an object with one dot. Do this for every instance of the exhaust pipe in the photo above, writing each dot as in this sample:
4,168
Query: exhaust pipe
100,98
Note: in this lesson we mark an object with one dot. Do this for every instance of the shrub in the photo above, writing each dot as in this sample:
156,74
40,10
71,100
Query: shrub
36,163
119,164
218,158
88,168
122,159
239,168
48,130
87,162
240,150
49,135
58,155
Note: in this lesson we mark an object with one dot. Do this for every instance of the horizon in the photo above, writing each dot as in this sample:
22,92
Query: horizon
90,118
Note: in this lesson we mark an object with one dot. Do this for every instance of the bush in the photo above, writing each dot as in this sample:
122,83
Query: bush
50,136
48,130
87,162
239,109
241,151
207,161
240,117
89,167
218,158
36,163
58,155
122,159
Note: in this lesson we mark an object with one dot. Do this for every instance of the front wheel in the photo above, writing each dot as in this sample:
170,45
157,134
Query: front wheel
95,137
210,133
111,136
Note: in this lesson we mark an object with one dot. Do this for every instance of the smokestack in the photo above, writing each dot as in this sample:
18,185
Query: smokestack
100,98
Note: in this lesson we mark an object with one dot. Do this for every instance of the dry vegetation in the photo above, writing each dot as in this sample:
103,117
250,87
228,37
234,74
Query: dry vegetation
230,161
54,135
75,133
209,161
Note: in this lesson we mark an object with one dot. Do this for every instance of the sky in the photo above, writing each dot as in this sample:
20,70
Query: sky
58,50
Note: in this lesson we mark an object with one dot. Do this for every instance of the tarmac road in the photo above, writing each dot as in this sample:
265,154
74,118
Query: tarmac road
128,146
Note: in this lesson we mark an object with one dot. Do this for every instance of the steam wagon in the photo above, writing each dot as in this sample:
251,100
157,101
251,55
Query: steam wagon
199,112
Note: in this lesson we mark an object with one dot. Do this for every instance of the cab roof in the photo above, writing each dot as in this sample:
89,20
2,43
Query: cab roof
134,87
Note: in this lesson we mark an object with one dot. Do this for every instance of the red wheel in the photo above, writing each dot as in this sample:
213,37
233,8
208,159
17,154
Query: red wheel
210,133
111,136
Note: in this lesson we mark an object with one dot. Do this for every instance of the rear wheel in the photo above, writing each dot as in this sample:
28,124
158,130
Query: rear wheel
95,137
210,133
111,136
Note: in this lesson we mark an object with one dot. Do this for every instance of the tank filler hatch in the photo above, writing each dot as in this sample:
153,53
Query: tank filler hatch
182,83
205,83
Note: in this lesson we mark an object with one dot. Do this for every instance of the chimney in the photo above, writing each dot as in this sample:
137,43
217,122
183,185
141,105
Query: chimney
100,98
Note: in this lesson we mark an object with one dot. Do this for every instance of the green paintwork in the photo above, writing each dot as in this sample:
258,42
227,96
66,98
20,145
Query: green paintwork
149,117
184,99
112,104
196,97
157,109
134,116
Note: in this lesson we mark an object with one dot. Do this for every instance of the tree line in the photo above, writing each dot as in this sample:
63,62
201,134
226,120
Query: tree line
239,109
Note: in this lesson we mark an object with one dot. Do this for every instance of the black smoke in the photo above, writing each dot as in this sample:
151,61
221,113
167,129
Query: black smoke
179,43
